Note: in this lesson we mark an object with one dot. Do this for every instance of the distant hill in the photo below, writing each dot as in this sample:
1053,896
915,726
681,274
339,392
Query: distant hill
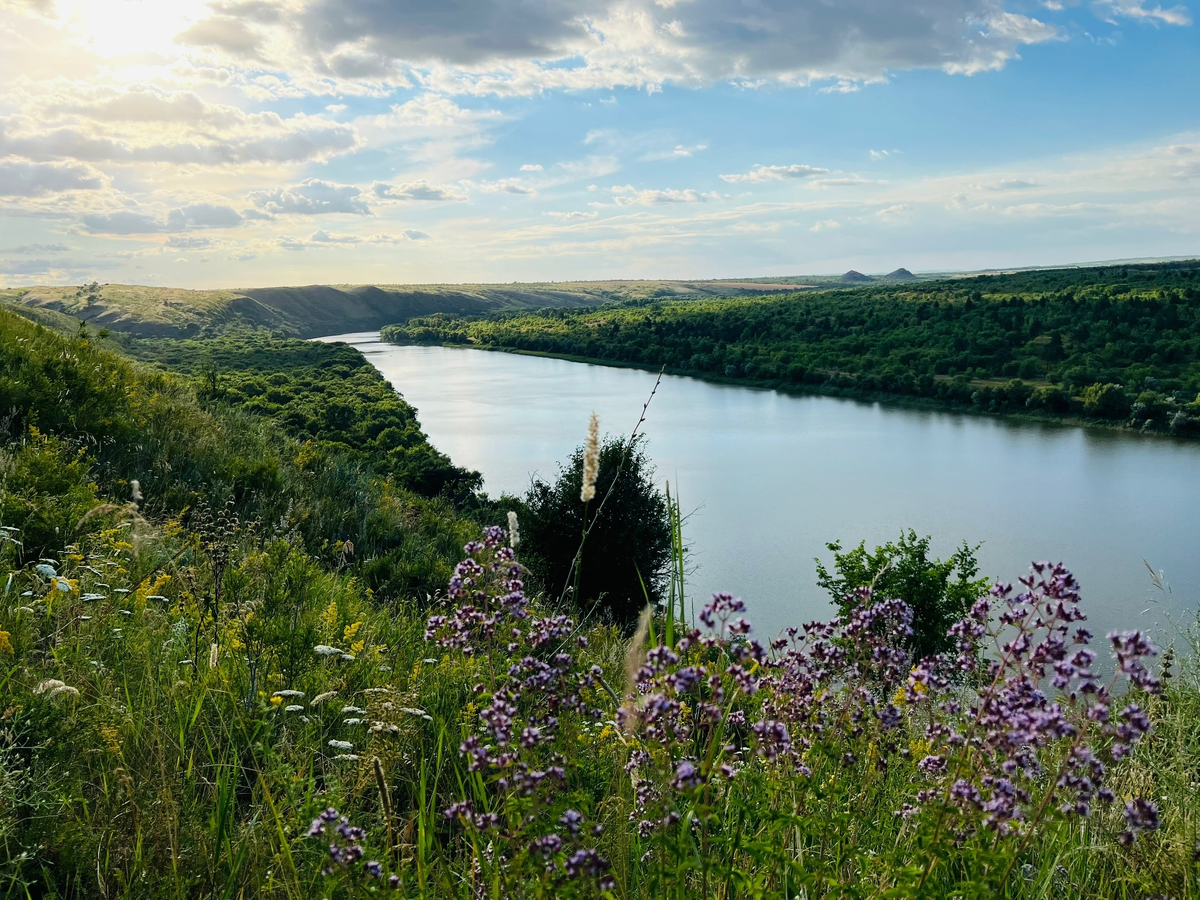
853,277
900,275
317,310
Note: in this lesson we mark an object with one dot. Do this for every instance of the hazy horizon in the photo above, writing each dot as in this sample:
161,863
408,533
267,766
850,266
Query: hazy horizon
231,143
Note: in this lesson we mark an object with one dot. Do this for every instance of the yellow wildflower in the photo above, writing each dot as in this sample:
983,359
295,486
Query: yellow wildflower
6,642
329,619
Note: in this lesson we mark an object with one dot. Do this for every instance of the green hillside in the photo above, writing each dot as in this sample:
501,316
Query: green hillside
316,310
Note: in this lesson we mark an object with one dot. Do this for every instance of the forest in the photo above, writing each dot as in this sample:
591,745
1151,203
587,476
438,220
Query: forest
1118,344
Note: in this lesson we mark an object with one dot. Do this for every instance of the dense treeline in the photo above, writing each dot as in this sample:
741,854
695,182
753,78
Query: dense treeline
1116,343
326,394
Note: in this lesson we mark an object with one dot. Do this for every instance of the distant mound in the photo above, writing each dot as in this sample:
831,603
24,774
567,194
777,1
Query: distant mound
855,277
900,275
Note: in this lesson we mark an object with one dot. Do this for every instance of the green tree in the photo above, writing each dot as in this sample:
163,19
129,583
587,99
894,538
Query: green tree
940,592
1108,401
628,542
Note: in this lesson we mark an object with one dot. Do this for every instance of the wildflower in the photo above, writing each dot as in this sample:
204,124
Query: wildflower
289,694
340,745
514,534
45,569
52,687
293,708
321,698
135,491
591,459
212,656
6,642
1140,815
326,650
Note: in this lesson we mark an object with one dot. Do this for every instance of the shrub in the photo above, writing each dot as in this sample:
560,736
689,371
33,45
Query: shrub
625,558
1106,401
939,592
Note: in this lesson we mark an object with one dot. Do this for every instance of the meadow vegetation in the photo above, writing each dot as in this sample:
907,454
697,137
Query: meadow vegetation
239,659
1118,344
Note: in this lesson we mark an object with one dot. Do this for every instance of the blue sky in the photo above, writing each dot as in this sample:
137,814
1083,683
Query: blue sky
251,142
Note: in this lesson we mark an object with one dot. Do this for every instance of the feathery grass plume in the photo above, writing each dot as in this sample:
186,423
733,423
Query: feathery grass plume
514,533
591,459
635,658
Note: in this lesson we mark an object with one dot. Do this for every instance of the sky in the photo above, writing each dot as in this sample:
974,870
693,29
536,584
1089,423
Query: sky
242,143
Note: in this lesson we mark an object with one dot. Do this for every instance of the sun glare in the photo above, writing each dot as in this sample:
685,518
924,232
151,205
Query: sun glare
115,28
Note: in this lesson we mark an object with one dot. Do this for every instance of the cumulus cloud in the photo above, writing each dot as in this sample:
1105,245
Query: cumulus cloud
774,173
239,138
826,225
312,197
531,167
417,190
508,186
228,33
192,216
23,178
628,195
518,46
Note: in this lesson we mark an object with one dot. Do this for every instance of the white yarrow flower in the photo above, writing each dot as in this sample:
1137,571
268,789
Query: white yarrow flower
326,650
341,745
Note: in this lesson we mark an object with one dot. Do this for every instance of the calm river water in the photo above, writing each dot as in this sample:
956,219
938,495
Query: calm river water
769,479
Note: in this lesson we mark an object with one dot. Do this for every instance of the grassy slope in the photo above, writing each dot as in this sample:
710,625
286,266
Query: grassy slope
314,310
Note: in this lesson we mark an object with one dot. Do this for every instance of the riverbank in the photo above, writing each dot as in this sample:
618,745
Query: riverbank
900,401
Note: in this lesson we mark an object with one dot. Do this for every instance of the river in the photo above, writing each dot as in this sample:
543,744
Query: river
770,478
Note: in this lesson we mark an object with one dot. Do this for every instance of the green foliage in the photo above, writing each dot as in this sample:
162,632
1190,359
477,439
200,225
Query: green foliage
1106,401
940,592
627,554
137,423
327,394
1025,342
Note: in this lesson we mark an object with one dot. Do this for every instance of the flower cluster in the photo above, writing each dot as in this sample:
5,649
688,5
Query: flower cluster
991,755
346,853
534,680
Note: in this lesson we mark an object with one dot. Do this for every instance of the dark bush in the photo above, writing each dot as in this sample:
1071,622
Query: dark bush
629,543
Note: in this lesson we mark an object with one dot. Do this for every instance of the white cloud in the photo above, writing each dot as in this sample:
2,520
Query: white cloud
417,190
323,238
34,249
1137,9
531,167
847,181
628,195
774,173
312,197
571,216
508,186
23,178
191,216
825,225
